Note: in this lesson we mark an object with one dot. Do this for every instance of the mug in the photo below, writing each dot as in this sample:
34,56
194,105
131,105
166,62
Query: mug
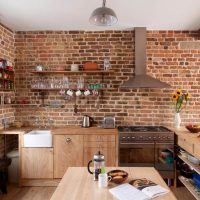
103,180
87,92
74,67
78,93
70,92
95,92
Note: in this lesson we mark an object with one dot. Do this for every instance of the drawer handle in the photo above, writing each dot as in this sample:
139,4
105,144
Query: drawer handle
68,140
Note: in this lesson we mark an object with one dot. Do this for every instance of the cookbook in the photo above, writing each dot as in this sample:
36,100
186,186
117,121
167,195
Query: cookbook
138,189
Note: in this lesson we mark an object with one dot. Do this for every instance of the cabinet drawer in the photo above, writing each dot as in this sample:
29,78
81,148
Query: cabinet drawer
100,144
99,138
185,144
197,151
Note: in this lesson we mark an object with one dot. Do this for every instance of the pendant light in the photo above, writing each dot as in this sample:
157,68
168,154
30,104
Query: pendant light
103,16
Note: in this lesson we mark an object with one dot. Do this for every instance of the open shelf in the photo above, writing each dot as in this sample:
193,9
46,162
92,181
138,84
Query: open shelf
58,89
188,183
194,166
72,72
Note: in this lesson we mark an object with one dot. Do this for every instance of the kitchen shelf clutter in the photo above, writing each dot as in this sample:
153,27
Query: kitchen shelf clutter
6,75
189,184
73,86
189,149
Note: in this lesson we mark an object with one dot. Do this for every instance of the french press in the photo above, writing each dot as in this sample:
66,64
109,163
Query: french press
99,163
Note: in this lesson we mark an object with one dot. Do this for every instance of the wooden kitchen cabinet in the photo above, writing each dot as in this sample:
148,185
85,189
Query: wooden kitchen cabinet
197,151
68,152
186,144
106,144
37,163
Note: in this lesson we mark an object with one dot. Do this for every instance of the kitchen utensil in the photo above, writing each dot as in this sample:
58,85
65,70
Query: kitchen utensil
99,163
109,122
103,180
87,92
74,67
87,121
193,159
118,176
70,92
90,66
78,93
186,171
193,128
196,179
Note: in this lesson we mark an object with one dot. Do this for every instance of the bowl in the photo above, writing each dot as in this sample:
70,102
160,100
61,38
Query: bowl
118,176
186,171
193,160
193,128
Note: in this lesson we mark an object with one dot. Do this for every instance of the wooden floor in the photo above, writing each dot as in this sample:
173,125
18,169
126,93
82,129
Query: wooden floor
45,193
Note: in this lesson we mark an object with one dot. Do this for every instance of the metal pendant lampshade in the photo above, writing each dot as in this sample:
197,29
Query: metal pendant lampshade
103,16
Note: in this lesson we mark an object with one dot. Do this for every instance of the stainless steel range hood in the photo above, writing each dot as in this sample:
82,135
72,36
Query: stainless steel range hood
141,79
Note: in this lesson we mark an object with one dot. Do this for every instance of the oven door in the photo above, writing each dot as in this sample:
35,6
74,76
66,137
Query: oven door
136,154
164,156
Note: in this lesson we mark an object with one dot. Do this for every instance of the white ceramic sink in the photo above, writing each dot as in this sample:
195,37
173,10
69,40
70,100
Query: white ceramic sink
38,138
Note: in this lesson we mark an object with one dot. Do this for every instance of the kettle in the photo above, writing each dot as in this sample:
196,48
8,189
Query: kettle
99,164
87,121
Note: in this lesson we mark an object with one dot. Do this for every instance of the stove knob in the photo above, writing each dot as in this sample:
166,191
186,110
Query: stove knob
149,137
154,137
128,137
163,137
123,137
133,137
141,137
159,137
168,137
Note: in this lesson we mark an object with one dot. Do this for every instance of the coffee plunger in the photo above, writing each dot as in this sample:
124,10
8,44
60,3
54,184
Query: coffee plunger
99,163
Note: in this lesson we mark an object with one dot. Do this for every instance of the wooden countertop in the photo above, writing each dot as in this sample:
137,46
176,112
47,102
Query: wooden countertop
70,130
182,131
78,184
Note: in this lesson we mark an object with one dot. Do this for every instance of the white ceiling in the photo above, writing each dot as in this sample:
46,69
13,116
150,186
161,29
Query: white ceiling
26,15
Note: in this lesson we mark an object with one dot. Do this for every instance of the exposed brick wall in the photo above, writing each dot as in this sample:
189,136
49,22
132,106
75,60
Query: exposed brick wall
7,51
172,56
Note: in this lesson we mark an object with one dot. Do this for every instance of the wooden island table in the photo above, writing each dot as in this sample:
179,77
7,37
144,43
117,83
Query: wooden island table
78,184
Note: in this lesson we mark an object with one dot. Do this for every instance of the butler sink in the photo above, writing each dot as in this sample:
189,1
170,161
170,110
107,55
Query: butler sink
38,138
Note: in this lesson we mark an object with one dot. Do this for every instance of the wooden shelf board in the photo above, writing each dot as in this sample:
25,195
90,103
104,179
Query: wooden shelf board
24,104
58,89
71,72
195,167
190,186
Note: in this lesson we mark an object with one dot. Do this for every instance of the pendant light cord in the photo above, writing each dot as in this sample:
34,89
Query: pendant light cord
104,3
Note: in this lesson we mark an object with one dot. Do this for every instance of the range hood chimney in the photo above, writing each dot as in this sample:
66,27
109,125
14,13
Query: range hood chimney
141,79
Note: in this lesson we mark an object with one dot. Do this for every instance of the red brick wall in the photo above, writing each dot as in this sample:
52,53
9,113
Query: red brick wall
172,56
6,52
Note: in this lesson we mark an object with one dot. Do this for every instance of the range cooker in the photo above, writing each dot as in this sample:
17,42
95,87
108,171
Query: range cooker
147,146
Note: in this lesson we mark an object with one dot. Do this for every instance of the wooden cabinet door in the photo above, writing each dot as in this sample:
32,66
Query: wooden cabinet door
186,144
37,163
68,152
